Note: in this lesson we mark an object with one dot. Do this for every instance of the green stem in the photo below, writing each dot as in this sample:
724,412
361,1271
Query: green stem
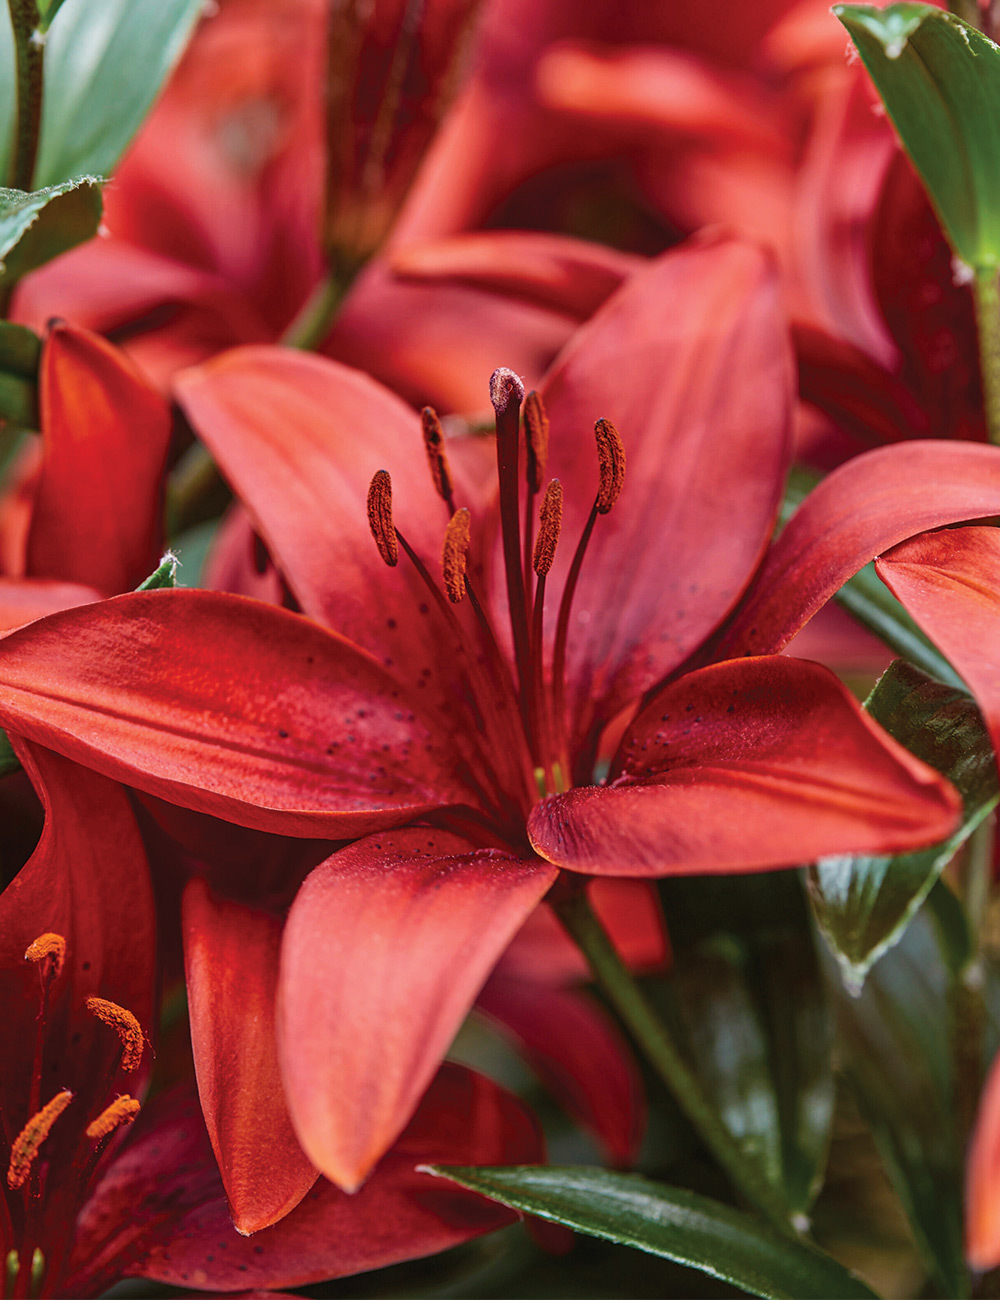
29,58
316,316
987,299
621,990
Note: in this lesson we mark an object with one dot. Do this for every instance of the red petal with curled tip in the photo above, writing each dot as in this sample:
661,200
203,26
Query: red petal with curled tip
689,358
873,502
98,512
579,1055
982,1180
88,881
950,582
230,707
386,946
160,1211
554,271
742,766
231,962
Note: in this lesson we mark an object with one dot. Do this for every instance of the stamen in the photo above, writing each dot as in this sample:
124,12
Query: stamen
125,1025
536,437
26,1144
122,1110
48,945
380,517
436,457
549,524
456,552
506,394
611,461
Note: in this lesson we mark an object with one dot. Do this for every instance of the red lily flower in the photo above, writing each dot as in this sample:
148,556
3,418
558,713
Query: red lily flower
81,1208
85,518
262,717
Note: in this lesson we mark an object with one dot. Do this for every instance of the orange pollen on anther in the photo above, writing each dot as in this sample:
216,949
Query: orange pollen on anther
536,437
549,524
122,1110
26,1144
380,517
611,464
455,555
125,1025
438,461
48,945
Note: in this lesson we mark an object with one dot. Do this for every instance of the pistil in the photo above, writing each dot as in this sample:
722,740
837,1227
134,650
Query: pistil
506,394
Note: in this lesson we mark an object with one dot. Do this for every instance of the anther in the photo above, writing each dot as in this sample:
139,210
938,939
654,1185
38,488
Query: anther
48,945
505,388
26,1144
536,436
438,461
122,1110
549,524
125,1025
380,517
611,463
456,551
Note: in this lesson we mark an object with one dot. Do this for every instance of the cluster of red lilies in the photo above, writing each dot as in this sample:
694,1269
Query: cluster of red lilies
462,353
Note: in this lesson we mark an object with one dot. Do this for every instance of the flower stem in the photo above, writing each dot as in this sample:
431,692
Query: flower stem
618,985
987,299
29,57
317,314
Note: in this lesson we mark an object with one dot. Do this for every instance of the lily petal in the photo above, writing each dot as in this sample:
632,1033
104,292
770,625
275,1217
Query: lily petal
227,706
744,766
950,582
982,1189
418,910
691,360
24,599
579,1054
863,508
98,509
231,961
160,1212
88,881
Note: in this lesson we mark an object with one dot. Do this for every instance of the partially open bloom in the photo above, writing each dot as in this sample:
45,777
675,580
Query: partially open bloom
458,744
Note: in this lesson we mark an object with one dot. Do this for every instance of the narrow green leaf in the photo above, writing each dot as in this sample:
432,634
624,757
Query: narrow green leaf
164,575
37,226
939,79
752,1016
863,904
895,1044
20,350
105,62
667,1221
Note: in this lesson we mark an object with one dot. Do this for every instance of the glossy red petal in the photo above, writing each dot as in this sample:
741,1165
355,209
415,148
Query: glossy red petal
227,706
982,1180
950,582
742,766
160,1211
88,881
689,356
386,946
24,599
554,271
864,507
98,512
630,911
579,1055
231,961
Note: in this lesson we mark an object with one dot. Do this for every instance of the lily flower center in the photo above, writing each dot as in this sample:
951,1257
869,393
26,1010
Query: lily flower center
530,530
53,1160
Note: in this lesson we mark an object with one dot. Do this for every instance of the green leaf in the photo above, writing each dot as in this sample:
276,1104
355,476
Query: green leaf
9,761
863,904
164,575
939,79
38,226
105,62
895,1044
667,1221
20,350
751,1014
